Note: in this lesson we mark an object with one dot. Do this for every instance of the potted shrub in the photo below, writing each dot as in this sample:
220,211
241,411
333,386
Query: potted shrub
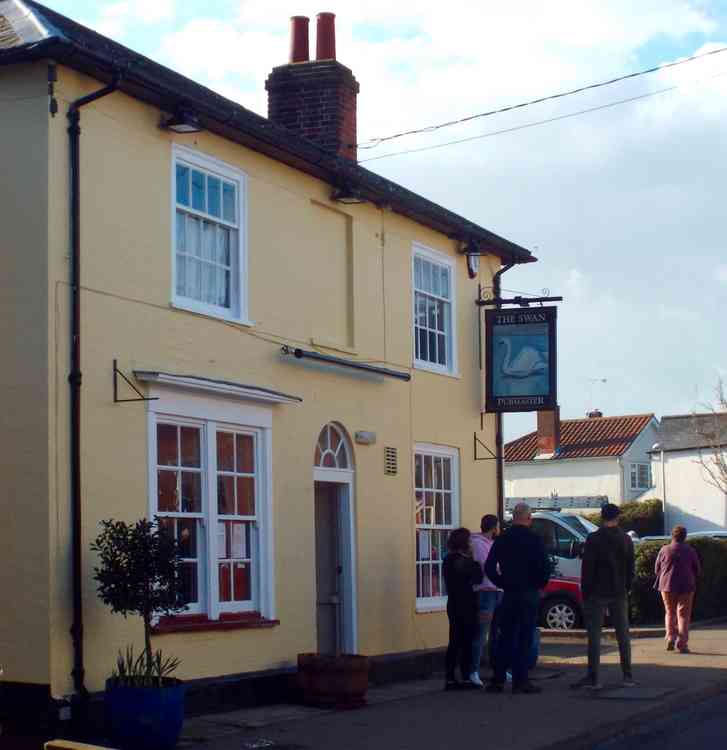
139,574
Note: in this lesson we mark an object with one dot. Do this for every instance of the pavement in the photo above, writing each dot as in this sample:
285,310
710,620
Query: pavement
420,716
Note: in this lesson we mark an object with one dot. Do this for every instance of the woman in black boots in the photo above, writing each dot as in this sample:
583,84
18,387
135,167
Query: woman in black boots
461,573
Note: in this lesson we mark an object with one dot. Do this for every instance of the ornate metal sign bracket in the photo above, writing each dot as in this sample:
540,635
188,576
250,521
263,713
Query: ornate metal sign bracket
494,301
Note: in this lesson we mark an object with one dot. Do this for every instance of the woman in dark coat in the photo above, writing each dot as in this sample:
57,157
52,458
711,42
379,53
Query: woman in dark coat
461,573
677,569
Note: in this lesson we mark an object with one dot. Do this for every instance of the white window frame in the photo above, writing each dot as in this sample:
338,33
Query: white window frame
439,258
226,415
239,312
634,476
436,603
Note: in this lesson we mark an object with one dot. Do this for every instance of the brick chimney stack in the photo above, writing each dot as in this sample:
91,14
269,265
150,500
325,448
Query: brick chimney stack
548,431
315,99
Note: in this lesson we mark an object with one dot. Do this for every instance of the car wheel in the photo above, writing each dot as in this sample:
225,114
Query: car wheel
560,614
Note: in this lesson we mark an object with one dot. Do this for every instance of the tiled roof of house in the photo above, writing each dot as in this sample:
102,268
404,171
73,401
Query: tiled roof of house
597,437
30,31
692,431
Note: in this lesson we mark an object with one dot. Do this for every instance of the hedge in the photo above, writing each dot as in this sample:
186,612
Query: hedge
711,598
645,517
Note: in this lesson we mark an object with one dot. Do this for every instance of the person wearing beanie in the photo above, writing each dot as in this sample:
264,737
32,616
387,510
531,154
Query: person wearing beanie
606,576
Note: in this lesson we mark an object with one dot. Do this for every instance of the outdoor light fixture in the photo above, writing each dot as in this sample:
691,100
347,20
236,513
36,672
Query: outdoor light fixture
183,121
472,251
347,195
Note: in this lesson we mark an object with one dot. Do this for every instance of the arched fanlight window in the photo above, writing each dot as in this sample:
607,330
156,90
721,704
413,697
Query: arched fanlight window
332,449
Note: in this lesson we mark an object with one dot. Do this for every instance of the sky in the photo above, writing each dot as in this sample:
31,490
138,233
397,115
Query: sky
624,207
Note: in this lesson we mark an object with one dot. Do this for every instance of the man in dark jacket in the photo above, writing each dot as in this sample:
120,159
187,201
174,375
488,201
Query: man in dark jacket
519,565
606,577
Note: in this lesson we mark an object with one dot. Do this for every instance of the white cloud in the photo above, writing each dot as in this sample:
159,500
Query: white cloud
116,19
721,274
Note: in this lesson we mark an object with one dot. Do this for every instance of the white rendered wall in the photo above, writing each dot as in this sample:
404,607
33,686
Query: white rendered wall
690,499
600,476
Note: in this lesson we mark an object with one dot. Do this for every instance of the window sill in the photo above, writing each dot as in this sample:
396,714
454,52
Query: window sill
435,604
426,367
424,609
201,623
179,304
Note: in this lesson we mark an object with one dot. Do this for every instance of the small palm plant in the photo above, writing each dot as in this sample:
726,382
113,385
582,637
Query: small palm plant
139,573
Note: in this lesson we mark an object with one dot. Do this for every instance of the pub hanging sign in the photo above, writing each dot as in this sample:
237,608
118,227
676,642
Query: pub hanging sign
520,372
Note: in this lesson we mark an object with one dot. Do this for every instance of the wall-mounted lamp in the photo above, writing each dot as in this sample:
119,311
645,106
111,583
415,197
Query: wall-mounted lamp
347,195
472,251
183,121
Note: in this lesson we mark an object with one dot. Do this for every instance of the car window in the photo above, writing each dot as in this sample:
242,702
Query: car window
545,529
565,542
580,524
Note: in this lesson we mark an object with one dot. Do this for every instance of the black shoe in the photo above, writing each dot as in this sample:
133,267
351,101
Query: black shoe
527,688
494,687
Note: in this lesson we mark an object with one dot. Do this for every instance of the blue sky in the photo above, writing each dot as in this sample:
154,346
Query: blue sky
624,207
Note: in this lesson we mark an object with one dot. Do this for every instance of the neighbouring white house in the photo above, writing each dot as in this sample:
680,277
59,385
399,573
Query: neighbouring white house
687,461
581,460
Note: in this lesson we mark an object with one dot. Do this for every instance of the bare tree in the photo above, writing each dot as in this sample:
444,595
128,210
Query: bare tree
712,428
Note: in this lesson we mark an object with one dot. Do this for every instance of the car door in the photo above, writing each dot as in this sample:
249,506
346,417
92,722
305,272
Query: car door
568,547
561,544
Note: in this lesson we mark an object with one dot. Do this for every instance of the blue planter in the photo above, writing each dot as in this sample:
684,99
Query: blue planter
141,718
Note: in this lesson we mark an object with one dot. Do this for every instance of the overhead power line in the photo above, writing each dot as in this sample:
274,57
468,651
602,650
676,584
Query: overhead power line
374,142
534,123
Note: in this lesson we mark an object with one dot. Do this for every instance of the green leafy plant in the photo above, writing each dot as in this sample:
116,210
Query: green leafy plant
139,574
711,598
645,517
134,670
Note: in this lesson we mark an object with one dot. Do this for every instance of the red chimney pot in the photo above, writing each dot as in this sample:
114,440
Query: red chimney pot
299,50
326,36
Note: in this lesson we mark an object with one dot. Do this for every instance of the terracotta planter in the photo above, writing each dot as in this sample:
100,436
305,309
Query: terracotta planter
333,681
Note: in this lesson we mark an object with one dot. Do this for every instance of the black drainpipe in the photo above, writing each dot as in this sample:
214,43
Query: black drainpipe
499,442
74,379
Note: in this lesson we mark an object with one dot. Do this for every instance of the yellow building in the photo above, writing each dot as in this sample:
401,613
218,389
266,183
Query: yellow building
303,331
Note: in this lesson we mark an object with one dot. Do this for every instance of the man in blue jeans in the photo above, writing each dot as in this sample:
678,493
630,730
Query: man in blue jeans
519,564
488,595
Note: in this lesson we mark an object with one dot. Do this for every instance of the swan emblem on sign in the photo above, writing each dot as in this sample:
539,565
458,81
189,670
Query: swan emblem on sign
529,361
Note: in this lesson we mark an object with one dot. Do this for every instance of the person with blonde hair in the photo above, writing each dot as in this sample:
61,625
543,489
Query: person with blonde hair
677,569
